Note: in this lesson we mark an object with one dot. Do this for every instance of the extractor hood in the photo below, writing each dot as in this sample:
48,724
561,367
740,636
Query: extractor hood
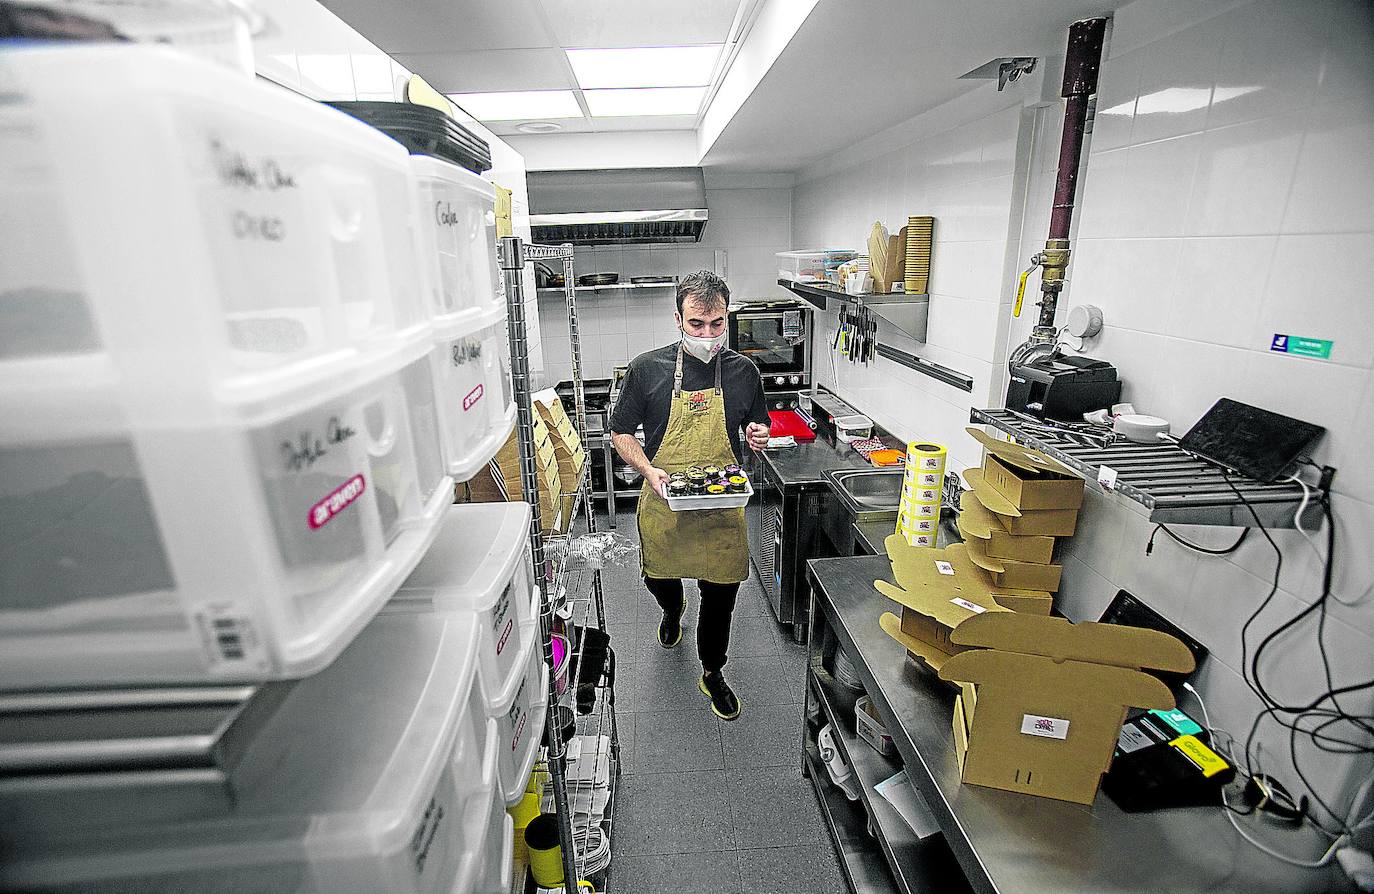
604,207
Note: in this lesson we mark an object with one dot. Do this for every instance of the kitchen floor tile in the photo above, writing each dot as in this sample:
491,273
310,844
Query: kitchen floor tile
760,680
786,870
766,736
667,679
753,636
674,873
773,808
673,813
678,741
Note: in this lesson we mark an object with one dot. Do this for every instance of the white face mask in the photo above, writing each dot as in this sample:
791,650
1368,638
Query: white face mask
704,349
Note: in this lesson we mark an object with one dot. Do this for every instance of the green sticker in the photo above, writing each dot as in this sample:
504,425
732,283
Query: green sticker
1299,346
1181,723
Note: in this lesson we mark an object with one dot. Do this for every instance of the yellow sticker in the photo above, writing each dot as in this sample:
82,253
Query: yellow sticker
1202,757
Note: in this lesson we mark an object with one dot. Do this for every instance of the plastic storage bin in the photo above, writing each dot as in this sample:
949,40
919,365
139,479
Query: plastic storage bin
497,852
224,237
519,712
477,405
249,544
458,229
374,775
480,563
811,266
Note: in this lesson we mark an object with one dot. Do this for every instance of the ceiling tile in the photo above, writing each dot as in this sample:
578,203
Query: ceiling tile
567,125
490,70
639,23
444,26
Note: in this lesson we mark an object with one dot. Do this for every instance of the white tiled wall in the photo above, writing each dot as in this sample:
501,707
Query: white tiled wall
964,176
1228,195
749,224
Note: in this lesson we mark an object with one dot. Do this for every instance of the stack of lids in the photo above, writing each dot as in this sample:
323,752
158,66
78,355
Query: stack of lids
919,233
423,131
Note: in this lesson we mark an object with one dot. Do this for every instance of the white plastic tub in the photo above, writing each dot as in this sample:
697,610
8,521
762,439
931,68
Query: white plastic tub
477,407
519,712
207,234
480,563
374,775
457,211
249,544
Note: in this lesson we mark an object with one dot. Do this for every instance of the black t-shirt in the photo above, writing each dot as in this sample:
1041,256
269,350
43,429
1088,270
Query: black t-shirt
646,395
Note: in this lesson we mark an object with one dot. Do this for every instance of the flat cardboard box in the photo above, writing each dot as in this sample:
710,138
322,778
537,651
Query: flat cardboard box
1047,522
1012,573
977,522
1051,697
938,590
960,726
567,445
1028,479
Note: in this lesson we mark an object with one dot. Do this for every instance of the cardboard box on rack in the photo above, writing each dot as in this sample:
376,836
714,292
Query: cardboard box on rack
939,589
1013,573
976,522
502,482
567,446
1025,478
1046,522
1051,697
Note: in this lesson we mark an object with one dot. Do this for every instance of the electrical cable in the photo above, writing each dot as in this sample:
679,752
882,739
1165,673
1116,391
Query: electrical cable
1230,812
1224,551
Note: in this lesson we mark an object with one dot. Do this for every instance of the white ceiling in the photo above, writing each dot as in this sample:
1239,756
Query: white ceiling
854,68
472,46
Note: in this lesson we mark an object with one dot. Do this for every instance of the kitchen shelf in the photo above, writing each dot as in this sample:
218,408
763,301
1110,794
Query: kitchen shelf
905,852
559,290
859,855
1161,481
908,312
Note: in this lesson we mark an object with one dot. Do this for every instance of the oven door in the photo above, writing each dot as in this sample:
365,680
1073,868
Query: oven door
774,340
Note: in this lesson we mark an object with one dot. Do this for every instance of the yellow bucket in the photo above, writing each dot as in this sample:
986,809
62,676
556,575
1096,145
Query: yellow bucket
521,814
546,856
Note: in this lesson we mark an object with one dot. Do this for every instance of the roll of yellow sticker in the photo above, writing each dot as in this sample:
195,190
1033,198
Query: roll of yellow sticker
923,456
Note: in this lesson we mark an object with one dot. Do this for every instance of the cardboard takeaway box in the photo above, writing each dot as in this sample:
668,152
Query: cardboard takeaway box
1013,573
1050,698
976,522
940,589
567,446
1027,492
501,481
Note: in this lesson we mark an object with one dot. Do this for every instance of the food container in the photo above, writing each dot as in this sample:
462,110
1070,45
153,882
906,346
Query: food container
870,727
239,541
814,266
458,231
480,563
519,712
477,405
376,774
708,500
853,428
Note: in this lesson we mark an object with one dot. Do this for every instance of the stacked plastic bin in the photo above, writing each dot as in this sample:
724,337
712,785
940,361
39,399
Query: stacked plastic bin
918,515
228,443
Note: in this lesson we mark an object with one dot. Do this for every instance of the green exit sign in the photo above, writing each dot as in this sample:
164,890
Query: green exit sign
1300,346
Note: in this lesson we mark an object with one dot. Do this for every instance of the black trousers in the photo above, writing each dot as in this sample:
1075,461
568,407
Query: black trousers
713,624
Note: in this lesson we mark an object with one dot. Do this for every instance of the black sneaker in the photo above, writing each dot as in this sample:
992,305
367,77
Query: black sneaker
724,702
670,628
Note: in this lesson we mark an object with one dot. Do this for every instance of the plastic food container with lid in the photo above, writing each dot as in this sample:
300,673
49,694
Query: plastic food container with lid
480,563
376,774
458,230
477,406
519,712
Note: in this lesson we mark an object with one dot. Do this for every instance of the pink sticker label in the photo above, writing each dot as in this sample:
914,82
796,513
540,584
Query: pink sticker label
323,512
472,398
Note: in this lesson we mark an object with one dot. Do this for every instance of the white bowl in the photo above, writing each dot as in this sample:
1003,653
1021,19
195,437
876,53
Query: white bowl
1141,429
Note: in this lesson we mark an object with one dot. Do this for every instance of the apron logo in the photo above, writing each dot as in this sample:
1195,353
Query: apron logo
696,401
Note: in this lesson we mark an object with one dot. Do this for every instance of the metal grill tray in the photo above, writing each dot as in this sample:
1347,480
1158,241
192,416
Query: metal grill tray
724,501
1171,486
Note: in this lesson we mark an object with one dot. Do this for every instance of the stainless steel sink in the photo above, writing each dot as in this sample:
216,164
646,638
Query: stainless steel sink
868,494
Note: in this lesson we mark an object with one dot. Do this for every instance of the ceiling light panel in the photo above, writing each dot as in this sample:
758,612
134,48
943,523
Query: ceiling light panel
651,101
644,67
519,105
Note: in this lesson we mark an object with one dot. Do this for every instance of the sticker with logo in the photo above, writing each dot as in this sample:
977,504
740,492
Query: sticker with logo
472,397
971,606
518,717
944,567
696,402
1044,727
503,621
323,512
1132,739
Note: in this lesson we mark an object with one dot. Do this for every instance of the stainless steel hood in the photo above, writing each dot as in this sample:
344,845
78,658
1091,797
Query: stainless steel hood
604,207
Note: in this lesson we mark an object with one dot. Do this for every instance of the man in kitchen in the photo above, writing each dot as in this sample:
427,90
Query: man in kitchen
693,398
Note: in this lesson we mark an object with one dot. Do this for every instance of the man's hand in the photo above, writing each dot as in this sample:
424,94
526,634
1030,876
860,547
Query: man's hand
658,480
757,435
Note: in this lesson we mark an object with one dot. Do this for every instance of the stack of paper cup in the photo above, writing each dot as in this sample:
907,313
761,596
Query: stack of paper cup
919,515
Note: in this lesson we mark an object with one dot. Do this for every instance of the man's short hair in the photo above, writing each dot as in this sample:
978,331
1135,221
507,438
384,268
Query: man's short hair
703,286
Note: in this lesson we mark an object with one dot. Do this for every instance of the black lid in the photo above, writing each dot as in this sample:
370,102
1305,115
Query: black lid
423,131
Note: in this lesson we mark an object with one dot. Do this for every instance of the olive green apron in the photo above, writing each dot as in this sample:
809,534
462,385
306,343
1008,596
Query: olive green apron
702,544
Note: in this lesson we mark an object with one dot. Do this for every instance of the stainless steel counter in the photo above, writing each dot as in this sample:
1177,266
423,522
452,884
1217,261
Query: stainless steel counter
1008,842
805,464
